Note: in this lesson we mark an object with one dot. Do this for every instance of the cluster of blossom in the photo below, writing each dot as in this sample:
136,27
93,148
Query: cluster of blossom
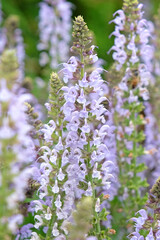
54,15
131,39
156,44
152,128
152,142
127,49
74,161
110,141
16,145
147,225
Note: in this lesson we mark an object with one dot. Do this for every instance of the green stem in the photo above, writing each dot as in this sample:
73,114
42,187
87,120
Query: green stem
82,61
134,160
97,225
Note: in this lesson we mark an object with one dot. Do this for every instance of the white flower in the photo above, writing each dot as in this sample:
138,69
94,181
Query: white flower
48,215
39,222
60,175
55,189
58,202
38,205
55,231
34,236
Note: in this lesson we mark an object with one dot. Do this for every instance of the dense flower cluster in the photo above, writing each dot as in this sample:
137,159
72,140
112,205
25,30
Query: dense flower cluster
75,157
152,142
147,225
128,47
54,15
16,145
131,41
152,111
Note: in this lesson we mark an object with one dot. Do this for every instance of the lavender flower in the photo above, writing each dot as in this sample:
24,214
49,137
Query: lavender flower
54,189
147,225
131,33
17,147
128,48
54,43
73,162
151,145
152,111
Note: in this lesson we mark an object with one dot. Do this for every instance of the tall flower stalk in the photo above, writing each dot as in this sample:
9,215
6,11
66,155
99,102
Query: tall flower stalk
131,36
54,27
16,146
152,109
73,162
91,96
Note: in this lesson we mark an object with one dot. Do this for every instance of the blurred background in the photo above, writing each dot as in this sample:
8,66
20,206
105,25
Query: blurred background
97,14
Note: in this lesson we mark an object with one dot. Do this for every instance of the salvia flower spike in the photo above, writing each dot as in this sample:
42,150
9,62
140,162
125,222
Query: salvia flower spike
54,15
131,93
16,145
73,163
